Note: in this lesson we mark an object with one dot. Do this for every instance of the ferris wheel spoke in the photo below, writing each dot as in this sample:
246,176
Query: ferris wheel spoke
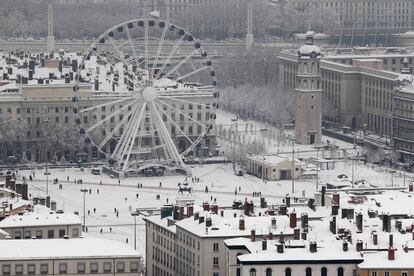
105,104
159,48
131,43
146,45
179,99
181,63
165,63
124,137
182,113
113,114
116,128
131,143
192,73
170,146
174,123
120,53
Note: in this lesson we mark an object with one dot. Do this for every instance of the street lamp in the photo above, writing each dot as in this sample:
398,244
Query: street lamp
135,214
84,191
392,177
47,173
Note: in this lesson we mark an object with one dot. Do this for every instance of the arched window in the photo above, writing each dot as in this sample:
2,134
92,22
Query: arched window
305,67
308,271
288,272
252,272
324,271
268,272
340,271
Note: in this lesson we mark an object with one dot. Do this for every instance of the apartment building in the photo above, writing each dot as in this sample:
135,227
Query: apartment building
189,241
68,257
42,226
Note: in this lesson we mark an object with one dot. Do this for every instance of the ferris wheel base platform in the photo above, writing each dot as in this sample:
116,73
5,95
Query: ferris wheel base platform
147,170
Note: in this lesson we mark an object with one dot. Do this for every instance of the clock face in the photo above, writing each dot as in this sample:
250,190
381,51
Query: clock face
313,55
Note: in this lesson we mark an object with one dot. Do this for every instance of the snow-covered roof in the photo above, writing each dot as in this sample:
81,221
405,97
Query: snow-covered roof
272,159
379,260
297,251
64,249
32,219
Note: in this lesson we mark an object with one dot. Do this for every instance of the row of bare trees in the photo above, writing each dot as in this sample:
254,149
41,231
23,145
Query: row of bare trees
208,19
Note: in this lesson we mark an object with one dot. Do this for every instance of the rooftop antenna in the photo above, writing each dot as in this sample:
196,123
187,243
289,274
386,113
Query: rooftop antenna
50,38
249,35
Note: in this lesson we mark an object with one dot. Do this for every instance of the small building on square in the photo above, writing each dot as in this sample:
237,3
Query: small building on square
273,167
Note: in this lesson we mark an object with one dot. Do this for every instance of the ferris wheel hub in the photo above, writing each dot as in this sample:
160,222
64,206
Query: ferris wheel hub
149,94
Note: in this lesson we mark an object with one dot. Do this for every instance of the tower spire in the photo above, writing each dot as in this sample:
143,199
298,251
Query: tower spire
50,37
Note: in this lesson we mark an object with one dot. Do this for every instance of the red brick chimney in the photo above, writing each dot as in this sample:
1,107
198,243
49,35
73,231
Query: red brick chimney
270,236
214,209
391,253
292,220
190,210
206,206
241,224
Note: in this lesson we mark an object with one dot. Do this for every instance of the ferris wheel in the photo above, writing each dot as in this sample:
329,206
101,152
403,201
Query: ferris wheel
145,93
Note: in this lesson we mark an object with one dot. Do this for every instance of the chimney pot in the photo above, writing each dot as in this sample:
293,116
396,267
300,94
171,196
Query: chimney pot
391,254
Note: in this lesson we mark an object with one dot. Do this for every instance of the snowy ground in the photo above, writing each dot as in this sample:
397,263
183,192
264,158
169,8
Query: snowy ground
219,179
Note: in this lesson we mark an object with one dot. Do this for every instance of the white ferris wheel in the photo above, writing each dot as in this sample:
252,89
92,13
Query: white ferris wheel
150,98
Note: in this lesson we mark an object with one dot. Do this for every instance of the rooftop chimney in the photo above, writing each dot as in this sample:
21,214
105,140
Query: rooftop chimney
410,187
359,222
287,201
391,241
214,209
313,247
359,246
253,235
208,222
391,254
241,224
335,200
375,238
296,234
190,210
292,220
283,210
323,195
206,206
279,248
264,245
345,246
274,223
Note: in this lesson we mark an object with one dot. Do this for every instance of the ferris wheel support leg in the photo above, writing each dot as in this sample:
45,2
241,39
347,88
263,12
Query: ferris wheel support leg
167,138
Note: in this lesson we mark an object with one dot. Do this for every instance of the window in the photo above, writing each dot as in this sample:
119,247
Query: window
66,109
39,234
27,234
134,267
50,234
120,267
6,270
63,268
56,109
66,119
31,269
288,272
18,110
94,267
81,267
340,271
44,268
19,269
215,247
269,272
386,273
215,262
238,272
324,271
252,272
28,110
107,267
17,235
308,271
61,233
215,274
404,273
373,273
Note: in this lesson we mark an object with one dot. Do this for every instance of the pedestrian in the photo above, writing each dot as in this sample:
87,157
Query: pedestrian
97,191
160,184
126,240
117,214
119,181
167,200
89,212
126,199
110,229
67,178
94,210
239,189
137,195
235,191
138,185
86,227
100,182
211,198
90,191
114,210
101,231
75,181
30,177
